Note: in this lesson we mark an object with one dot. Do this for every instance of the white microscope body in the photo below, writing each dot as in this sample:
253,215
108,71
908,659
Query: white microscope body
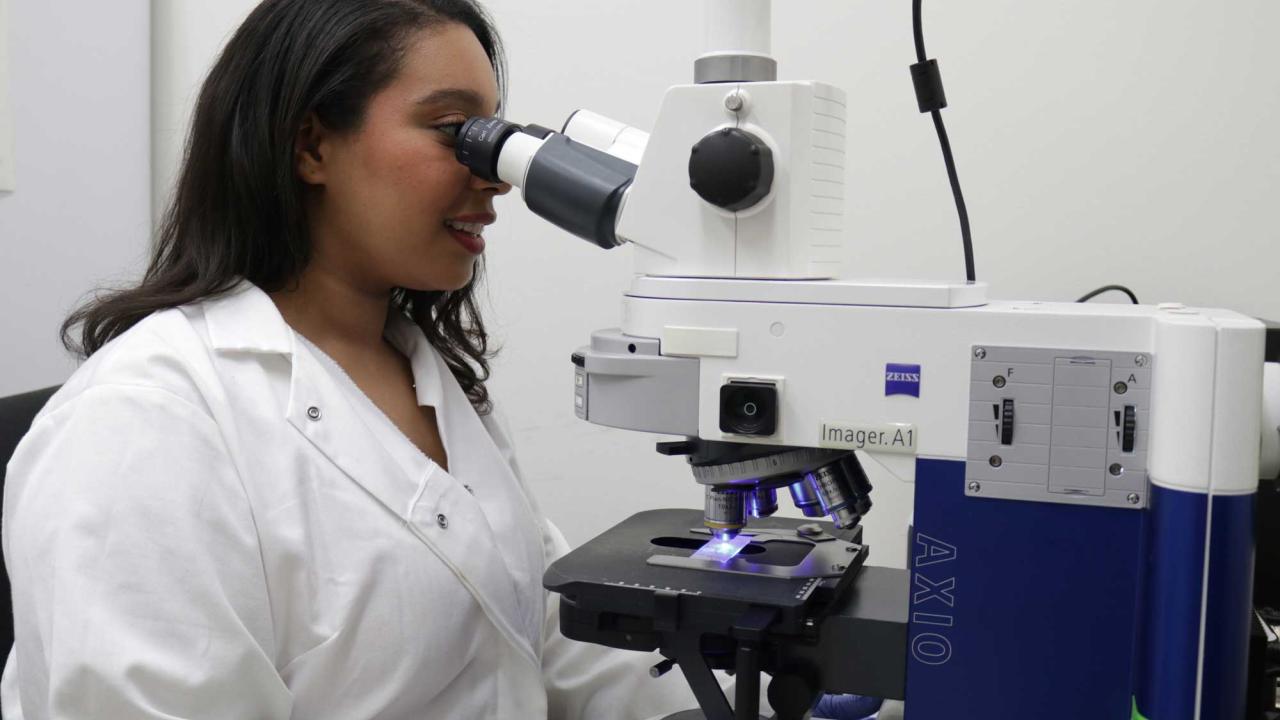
1071,486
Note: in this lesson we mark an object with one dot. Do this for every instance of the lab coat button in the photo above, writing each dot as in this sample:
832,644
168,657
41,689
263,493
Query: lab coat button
313,412
442,521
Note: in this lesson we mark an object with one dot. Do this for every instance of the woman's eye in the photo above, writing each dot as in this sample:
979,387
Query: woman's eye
449,130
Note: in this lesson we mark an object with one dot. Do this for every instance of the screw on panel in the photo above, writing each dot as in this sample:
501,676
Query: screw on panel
996,461
851,548
733,102
1140,361
998,381
974,487
1116,469
1121,388
980,353
839,568
1133,498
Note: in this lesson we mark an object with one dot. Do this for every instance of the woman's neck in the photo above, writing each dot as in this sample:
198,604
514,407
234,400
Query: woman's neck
333,312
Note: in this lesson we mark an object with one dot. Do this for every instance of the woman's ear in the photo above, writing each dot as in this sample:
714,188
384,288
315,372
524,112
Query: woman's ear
309,150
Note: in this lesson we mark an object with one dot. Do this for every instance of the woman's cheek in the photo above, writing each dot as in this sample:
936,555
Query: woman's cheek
444,182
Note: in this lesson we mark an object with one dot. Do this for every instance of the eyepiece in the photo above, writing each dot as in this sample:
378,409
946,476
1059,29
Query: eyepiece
480,142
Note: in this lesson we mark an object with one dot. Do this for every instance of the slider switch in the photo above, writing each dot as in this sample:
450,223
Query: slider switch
1129,429
1006,422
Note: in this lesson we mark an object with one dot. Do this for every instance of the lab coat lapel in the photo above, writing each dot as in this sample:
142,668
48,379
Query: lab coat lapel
246,320
474,459
502,534
322,412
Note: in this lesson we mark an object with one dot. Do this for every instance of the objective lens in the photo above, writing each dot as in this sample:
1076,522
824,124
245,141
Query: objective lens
806,498
726,511
836,496
762,502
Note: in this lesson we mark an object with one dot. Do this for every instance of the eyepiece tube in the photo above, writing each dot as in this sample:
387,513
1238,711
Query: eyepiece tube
606,135
575,187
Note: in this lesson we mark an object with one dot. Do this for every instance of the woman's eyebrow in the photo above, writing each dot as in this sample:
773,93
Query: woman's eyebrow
459,96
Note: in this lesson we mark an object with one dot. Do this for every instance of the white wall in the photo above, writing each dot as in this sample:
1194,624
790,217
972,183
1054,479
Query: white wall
79,217
1097,142
6,108
186,37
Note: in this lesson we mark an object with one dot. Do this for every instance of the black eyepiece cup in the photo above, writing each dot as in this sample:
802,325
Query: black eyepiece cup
480,142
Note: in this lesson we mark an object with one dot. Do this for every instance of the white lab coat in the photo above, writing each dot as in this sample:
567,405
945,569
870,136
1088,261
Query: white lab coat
200,524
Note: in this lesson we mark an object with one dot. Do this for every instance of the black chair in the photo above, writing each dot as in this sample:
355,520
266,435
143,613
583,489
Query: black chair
16,414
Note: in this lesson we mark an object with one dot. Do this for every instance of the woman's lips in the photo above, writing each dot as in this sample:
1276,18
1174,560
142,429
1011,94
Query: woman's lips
473,244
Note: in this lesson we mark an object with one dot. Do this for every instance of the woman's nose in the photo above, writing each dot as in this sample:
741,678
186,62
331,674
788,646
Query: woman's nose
498,188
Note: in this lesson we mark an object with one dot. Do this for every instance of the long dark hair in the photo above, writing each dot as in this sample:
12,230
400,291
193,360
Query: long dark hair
237,211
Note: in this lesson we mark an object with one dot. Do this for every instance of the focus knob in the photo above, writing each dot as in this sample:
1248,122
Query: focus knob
731,169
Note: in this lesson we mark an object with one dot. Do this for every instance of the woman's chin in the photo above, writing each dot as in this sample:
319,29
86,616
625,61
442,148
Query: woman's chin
441,282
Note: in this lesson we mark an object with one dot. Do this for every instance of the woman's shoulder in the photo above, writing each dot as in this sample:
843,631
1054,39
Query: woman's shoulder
165,351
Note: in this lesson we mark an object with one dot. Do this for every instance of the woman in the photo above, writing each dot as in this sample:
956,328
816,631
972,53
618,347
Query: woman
275,488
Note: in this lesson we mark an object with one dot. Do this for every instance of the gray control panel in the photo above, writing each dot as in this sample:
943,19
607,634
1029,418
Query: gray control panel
1061,426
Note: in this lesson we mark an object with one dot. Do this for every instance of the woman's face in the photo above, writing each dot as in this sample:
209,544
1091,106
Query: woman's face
390,206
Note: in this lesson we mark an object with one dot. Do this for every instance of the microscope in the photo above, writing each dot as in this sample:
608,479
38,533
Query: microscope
1083,476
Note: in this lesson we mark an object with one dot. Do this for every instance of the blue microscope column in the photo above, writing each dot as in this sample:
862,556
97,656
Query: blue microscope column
1169,654
1026,610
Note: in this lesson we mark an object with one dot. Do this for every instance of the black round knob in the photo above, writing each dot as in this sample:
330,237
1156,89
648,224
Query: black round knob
731,168
792,695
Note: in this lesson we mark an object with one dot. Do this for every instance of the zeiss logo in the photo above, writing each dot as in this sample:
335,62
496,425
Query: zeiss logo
901,379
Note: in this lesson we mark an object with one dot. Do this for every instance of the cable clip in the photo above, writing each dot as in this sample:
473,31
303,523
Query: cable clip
928,81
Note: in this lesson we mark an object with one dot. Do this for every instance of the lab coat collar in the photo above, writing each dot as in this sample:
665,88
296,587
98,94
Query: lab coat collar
407,337
245,319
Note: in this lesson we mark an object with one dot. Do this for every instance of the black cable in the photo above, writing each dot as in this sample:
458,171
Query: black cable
1108,288
947,158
